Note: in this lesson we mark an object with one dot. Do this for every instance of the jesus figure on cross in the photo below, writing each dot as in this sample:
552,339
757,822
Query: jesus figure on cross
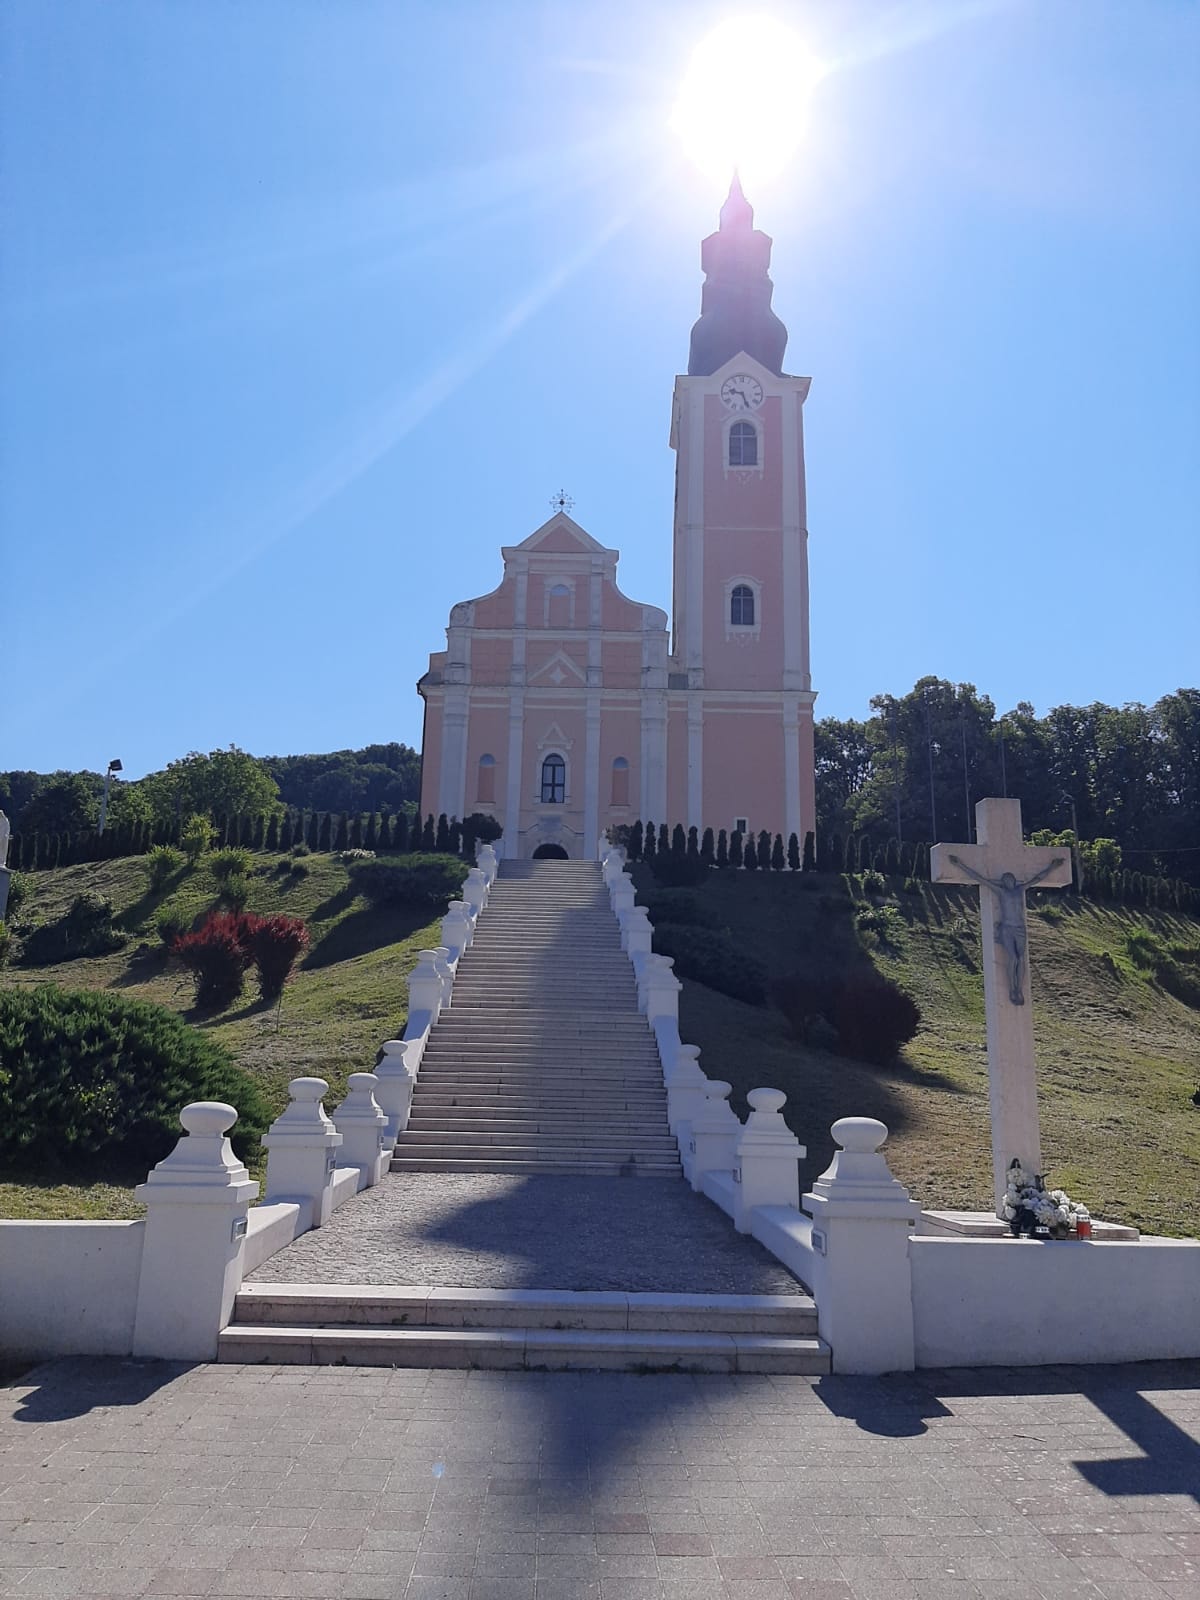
1010,932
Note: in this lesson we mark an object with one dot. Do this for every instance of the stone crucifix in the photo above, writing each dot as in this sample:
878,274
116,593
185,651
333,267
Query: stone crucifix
1004,867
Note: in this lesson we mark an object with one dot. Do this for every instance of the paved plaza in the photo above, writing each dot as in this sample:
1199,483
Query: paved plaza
489,1230
120,1479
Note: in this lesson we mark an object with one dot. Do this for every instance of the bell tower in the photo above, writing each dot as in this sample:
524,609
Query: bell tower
740,696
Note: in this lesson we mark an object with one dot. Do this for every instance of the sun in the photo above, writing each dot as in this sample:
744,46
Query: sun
744,99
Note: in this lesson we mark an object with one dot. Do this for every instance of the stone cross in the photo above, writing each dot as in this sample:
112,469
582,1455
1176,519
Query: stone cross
1004,867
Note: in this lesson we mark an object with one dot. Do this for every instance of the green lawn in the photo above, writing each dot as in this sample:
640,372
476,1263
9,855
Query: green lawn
348,994
1118,1058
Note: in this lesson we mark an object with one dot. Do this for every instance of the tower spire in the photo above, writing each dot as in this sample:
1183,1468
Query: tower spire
735,304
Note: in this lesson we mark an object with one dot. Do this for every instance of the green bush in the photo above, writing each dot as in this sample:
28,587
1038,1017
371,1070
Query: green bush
85,930
677,871
172,922
232,862
713,959
5,943
89,1074
195,837
18,893
682,907
162,862
873,882
873,1017
235,892
426,879
299,850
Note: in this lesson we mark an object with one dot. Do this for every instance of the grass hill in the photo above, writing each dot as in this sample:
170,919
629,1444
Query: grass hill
1119,1055
347,995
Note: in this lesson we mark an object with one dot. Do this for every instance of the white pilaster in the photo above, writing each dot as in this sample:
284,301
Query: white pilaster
695,760
516,756
591,768
791,767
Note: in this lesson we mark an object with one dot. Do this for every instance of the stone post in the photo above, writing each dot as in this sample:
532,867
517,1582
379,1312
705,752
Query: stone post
395,1081
862,1219
362,1123
475,890
425,986
458,928
196,1202
446,973
301,1145
622,894
685,1091
636,933
660,990
715,1131
768,1154
488,862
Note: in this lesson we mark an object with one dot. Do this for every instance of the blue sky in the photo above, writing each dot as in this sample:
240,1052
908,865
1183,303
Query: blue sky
309,307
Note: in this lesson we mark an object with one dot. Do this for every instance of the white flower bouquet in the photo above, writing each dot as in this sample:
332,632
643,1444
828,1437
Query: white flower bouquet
1031,1208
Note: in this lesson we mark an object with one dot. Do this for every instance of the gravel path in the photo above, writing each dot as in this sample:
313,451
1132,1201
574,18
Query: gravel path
490,1230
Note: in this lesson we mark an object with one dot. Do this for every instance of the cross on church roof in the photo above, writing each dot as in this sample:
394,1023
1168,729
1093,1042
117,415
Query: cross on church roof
562,501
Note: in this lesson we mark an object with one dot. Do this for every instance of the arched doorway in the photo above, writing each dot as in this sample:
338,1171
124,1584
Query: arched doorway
550,852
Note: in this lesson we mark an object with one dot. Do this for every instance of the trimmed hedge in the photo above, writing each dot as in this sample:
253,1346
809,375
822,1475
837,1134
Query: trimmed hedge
713,959
682,907
426,879
91,1075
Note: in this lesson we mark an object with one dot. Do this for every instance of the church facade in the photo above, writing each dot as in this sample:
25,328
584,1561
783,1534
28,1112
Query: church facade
560,706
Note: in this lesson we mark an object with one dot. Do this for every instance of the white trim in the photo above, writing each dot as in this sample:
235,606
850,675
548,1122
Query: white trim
695,761
795,584
591,770
756,422
555,750
791,766
512,803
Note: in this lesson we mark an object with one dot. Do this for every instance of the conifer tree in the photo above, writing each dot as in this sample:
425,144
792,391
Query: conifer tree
285,831
750,855
272,840
810,852
650,843
341,839
260,832
678,841
891,856
393,835
735,848
764,850
664,840
454,838
469,841
693,844
441,839
634,848
429,834
707,848
356,831
722,849
793,853
777,854
325,840
371,837
837,854
312,836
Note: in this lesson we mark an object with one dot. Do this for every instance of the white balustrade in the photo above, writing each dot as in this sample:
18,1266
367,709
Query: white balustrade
301,1146
768,1154
362,1123
715,1131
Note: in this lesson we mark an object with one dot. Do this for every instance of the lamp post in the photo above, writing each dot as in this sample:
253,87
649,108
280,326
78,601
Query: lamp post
113,766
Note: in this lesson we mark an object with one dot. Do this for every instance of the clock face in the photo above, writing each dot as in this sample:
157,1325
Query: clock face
741,392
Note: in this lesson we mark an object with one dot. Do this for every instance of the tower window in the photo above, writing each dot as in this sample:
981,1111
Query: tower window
486,791
741,606
743,445
620,782
554,781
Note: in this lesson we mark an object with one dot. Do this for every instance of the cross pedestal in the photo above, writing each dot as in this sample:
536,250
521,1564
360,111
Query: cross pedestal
1004,867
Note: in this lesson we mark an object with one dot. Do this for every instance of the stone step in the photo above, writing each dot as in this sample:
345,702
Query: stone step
467,1119
611,1141
521,1167
541,1094
412,1306
527,1147
517,1349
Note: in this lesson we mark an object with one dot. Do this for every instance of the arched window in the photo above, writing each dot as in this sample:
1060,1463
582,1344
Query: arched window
743,445
620,782
558,606
485,791
741,606
554,781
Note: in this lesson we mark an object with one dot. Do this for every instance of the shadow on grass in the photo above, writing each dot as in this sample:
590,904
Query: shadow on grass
363,931
143,965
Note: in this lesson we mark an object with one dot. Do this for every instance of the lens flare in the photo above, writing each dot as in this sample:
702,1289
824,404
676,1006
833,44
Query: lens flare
744,100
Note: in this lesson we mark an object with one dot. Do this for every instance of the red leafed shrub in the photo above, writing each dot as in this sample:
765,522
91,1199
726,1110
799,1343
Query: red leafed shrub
217,955
277,943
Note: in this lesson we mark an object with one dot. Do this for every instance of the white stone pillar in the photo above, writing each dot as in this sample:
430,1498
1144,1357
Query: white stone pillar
768,1154
396,1079
660,990
362,1123
445,972
636,933
488,862
621,893
686,1084
862,1219
196,1201
715,1131
475,890
458,928
425,985
300,1146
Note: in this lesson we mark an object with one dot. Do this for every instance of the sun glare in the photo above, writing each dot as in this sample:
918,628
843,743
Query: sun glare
744,99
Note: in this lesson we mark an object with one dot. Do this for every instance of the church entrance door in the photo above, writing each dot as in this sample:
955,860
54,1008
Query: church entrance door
550,852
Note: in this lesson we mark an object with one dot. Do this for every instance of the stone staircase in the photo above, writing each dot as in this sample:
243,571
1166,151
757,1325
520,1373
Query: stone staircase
530,1329
543,1062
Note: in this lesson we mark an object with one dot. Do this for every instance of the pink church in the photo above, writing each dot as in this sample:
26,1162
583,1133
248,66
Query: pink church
560,707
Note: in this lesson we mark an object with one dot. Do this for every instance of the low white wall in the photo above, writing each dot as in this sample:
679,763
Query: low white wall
1008,1302
787,1234
272,1226
69,1288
